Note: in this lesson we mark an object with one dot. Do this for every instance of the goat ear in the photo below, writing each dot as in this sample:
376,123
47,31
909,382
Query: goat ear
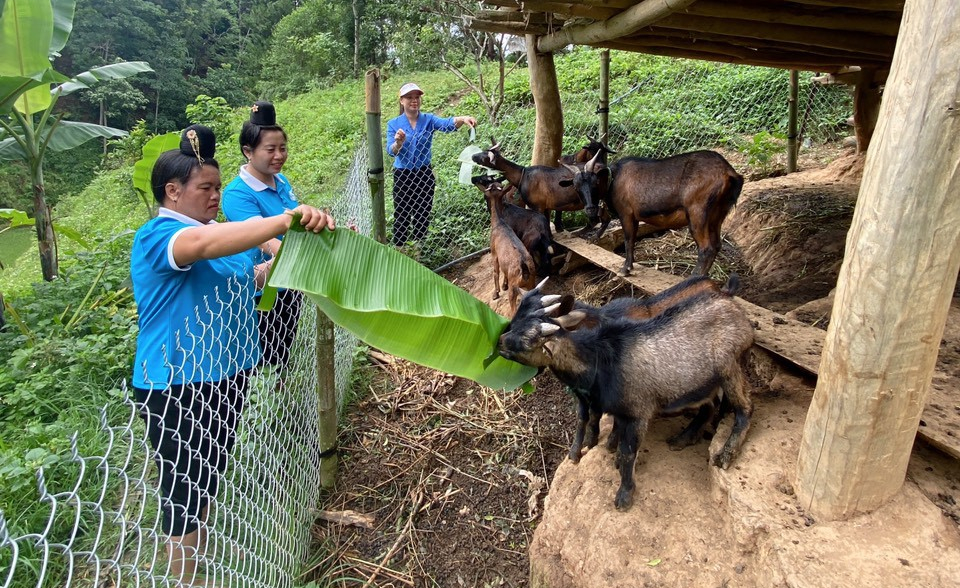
566,304
571,320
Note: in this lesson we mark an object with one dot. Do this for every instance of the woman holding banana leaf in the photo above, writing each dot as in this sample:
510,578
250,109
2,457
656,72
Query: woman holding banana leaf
194,281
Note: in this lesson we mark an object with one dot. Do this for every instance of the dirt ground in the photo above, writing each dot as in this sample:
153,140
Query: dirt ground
442,483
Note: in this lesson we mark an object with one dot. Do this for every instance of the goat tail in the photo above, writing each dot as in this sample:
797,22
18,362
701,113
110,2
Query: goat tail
735,186
732,286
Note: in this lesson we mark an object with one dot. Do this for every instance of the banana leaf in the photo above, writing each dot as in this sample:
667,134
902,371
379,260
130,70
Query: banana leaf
393,303
143,168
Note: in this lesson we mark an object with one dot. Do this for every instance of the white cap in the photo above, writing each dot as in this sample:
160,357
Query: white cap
409,87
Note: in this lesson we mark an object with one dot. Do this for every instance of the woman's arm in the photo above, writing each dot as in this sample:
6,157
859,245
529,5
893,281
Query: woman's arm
222,239
459,121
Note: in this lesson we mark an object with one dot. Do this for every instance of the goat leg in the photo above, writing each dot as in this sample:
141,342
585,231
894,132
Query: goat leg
630,438
593,428
693,432
734,389
583,414
496,275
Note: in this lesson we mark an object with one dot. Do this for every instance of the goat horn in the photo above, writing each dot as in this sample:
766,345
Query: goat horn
593,162
548,328
550,299
568,320
542,282
572,168
551,309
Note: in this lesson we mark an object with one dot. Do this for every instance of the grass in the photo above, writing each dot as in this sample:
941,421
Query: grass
14,243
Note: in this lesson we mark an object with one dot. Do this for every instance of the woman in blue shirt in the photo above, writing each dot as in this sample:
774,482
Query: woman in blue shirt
193,282
258,191
410,143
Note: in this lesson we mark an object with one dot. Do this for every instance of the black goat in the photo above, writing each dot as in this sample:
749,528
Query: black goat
694,189
634,370
530,226
539,185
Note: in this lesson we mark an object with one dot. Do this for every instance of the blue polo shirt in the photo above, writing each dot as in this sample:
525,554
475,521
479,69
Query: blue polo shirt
417,149
247,197
197,322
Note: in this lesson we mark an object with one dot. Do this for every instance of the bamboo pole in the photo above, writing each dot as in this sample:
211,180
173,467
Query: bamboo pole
898,276
327,400
604,109
375,156
792,147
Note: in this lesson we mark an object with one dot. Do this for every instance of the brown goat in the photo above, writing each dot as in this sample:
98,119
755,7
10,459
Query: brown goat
588,151
530,226
539,185
509,254
694,189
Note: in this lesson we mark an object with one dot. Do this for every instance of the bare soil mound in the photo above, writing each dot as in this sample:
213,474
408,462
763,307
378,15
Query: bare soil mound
445,484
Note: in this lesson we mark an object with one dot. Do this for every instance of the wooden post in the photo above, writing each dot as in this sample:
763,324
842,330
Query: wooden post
792,147
375,156
897,278
327,399
604,109
548,136
866,107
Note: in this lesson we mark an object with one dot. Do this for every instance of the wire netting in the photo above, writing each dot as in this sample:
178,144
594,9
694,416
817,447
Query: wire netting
104,527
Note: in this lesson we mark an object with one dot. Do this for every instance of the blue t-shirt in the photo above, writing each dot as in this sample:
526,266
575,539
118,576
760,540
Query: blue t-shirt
247,197
417,149
197,323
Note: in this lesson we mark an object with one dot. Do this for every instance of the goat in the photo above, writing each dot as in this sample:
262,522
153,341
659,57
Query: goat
695,189
539,185
637,310
530,226
508,252
634,370
588,151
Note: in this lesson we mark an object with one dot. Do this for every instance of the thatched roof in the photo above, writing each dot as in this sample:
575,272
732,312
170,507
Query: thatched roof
817,35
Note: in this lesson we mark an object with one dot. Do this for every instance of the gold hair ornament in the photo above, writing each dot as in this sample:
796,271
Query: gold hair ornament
195,144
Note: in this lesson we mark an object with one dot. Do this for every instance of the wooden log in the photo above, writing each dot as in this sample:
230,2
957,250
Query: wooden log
880,23
548,133
896,281
628,21
866,107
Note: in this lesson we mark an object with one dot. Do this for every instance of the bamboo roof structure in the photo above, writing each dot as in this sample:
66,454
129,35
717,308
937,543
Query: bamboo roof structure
829,36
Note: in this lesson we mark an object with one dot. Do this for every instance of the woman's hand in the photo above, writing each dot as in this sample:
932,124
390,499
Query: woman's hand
313,219
465,120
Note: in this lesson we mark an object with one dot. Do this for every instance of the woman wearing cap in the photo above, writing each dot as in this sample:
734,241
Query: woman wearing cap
259,191
193,282
409,142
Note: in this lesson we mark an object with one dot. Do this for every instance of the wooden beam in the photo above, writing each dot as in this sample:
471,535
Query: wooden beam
882,23
566,8
628,21
519,29
891,5
878,45
896,282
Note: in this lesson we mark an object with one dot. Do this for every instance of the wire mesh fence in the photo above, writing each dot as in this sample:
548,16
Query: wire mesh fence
675,107
105,526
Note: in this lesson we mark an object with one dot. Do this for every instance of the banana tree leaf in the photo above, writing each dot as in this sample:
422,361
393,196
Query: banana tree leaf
12,87
393,303
151,151
113,71
63,11
10,150
69,134
26,30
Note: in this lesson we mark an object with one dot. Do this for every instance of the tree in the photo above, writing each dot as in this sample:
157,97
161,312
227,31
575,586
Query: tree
32,33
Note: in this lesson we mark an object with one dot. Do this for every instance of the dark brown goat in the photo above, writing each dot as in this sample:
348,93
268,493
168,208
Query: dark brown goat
634,370
539,185
694,189
530,226
509,254
588,151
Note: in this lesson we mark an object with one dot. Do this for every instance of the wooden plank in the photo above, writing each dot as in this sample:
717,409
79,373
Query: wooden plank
788,339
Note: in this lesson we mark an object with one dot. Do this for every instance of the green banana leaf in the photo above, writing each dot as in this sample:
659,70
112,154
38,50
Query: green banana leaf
26,31
93,76
393,303
144,166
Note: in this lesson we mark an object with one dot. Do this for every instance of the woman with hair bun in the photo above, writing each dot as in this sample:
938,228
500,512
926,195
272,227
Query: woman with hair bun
260,190
194,281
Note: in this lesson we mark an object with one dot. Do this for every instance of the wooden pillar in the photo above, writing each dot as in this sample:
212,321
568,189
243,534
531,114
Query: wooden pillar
604,108
548,136
866,107
375,156
327,399
897,278
792,147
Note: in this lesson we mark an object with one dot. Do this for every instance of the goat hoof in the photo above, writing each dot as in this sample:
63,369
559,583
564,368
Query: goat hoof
624,500
723,460
575,457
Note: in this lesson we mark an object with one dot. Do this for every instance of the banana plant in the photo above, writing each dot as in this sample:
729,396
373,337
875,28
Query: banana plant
32,33
393,303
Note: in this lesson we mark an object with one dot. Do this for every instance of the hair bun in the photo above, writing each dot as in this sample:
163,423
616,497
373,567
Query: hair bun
263,114
198,141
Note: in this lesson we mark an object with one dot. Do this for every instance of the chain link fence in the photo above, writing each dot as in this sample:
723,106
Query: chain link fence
104,528
680,106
